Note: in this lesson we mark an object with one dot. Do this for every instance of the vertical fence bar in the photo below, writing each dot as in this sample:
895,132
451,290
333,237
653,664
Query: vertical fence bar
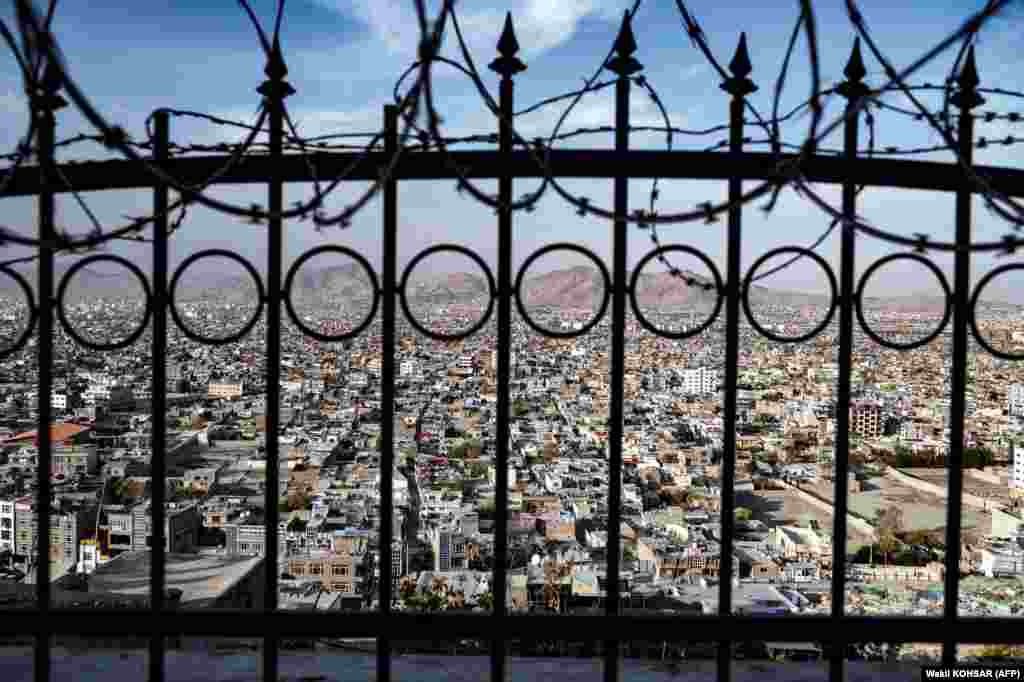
739,86
507,65
274,92
965,99
47,102
853,90
387,456
161,121
624,65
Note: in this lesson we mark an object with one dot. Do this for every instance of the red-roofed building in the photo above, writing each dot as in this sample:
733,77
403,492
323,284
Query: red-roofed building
64,433
71,454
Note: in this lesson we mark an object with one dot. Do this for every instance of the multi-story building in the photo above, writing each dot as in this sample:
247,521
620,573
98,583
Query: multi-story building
449,550
866,419
1016,471
245,539
131,529
247,536
399,561
7,525
1015,400
409,368
66,531
336,571
75,460
698,381
224,389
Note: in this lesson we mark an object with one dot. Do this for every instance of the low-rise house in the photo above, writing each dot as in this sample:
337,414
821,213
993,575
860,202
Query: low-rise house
797,544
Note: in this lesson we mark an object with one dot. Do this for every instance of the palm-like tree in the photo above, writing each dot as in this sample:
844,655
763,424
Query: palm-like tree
554,572
456,599
407,587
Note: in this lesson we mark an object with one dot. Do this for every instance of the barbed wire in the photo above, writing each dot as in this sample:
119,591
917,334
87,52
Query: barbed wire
41,63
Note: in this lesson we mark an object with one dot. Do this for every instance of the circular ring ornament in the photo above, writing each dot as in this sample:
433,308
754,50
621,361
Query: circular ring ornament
230,255
454,248
563,246
62,313
33,312
719,288
294,270
974,307
833,285
859,301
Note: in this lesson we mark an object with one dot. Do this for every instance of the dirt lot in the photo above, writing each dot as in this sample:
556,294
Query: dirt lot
780,507
921,511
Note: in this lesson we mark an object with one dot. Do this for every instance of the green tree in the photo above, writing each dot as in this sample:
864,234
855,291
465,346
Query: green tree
520,408
743,514
889,523
977,458
904,457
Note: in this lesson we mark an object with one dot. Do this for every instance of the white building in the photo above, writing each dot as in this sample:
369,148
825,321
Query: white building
1000,560
801,572
7,525
1015,400
59,401
698,381
1007,524
1017,470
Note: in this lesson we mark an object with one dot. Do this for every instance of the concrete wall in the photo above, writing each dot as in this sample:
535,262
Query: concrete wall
331,666
852,522
933,489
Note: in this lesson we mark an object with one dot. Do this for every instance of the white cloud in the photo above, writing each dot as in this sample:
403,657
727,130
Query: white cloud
540,24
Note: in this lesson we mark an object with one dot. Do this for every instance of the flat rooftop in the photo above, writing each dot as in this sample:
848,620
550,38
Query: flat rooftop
200,577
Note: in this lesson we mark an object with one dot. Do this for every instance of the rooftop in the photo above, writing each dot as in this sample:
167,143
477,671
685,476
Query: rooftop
201,577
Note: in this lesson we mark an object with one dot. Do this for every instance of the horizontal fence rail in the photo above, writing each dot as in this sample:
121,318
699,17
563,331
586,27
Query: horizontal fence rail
568,163
396,626
396,164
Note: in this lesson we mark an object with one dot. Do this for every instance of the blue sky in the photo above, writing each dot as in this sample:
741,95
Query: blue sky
344,56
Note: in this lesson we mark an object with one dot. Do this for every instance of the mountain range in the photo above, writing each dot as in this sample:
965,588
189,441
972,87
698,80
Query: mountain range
577,287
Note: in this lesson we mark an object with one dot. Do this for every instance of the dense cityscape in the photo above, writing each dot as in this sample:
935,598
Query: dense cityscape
445,443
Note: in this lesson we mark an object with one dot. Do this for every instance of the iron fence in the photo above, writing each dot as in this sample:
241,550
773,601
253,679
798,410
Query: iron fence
399,162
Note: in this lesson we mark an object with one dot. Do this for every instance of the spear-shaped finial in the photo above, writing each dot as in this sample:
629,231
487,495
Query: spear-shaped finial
507,64
276,71
508,46
967,96
969,79
739,85
625,42
855,70
623,62
740,64
853,87
276,68
48,96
